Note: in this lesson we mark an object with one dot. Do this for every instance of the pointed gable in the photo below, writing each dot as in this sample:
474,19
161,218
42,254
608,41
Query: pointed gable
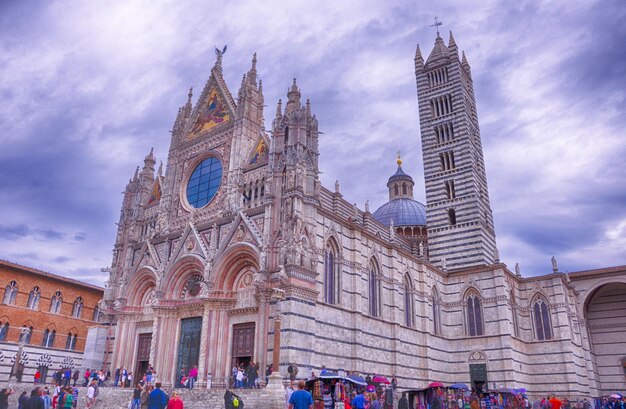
260,153
215,108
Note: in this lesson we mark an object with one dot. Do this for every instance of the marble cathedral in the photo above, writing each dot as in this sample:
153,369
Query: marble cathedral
238,233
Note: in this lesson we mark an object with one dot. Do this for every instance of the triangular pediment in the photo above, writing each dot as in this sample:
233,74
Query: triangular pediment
243,229
148,257
215,108
190,243
260,153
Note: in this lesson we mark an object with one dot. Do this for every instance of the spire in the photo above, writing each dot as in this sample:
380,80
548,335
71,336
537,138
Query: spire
452,44
399,160
293,97
149,157
136,176
440,51
190,95
260,86
419,61
464,60
279,109
308,108
160,171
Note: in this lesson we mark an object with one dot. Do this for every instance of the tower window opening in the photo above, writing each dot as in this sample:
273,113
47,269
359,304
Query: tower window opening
404,189
286,136
452,216
449,185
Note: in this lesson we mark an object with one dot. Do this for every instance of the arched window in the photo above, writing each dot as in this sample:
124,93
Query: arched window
96,314
514,314
4,331
374,289
404,188
70,342
33,298
332,276
77,309
48,338
10,293
436,312
474,315
409,311
541,318
56,302
25,334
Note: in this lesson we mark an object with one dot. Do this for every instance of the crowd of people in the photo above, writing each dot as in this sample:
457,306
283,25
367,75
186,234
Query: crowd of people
59,396
246,375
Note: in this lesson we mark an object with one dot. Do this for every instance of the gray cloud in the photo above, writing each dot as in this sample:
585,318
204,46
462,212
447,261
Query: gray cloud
88,89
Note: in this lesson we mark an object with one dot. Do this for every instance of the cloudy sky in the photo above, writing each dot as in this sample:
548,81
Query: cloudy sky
87,88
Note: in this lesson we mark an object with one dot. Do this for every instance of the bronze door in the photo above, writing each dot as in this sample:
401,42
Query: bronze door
243,343
143,356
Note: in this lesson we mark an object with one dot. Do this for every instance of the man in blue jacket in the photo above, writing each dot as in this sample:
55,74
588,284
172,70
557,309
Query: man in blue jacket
157,398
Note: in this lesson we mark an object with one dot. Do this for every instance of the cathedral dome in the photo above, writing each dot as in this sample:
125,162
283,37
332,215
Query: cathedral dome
402,212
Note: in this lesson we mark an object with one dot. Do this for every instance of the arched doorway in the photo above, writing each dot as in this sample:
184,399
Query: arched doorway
605,311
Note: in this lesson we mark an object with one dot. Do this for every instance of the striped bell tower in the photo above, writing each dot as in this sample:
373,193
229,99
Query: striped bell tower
460,224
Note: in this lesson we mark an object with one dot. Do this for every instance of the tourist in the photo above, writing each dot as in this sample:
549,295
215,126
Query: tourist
47,400
193,376
35,401
91,394
75,376
149,374
86,376
292,370
21,401
129,380
301,399
68,402
123,376
555,403
68,377
239,378
359,401
288,392
232,401
157,398
4,397
74,392
403,403
268,372
136,401
116,378
145,393
175,402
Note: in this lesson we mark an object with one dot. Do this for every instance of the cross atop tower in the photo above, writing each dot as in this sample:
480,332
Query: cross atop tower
437,24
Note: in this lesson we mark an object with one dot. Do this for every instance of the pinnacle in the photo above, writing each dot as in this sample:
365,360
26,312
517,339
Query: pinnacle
451,42
418,54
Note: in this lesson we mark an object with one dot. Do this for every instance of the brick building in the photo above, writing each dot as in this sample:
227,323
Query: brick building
50,314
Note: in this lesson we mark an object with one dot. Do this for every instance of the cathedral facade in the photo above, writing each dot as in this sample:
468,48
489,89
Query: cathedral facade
238,234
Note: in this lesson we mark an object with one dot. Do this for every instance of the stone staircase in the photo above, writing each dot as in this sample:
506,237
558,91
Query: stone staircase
114,398
117,398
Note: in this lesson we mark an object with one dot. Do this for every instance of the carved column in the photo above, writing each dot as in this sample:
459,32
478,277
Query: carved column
115,361
154,341
203,347
262,321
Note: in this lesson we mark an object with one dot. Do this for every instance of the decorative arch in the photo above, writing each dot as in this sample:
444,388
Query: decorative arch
56,302
474,313
186,267
49,335
591,292
4,327
540,314
237,259
374,274
77,308
332,272
140,287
